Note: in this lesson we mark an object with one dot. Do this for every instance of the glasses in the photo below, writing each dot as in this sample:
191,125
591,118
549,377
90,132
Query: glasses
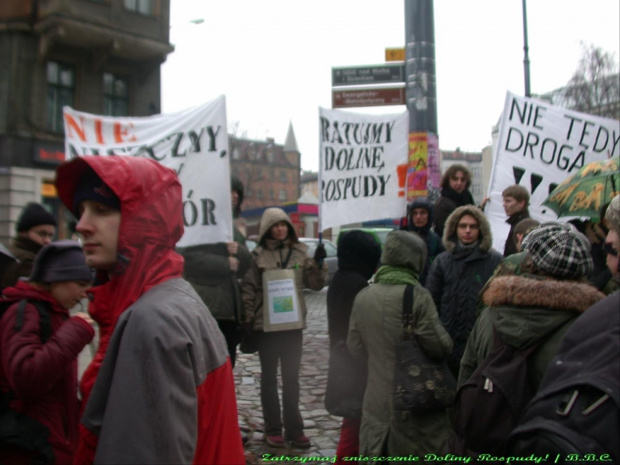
608,248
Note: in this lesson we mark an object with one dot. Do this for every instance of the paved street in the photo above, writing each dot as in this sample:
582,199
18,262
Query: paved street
321,428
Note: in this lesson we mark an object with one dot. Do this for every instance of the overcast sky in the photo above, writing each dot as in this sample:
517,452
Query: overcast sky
272,59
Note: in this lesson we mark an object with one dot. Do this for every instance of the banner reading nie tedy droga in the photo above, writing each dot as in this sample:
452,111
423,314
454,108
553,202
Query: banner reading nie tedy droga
194,143
359,174
539,146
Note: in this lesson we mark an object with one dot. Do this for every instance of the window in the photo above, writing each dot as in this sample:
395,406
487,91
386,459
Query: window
140,6
283,177
282,194
235,153
115,95
60,89
270,194
259,193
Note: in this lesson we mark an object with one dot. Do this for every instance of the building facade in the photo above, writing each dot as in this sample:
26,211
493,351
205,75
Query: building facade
97,56
270,172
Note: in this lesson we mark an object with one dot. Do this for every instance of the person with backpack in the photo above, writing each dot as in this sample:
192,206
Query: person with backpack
39,346
420,220
527,317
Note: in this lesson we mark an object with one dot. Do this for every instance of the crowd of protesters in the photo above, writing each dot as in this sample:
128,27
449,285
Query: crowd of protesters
160,387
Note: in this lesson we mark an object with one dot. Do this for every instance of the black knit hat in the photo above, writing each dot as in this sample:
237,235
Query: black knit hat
91,187
60,261
32,215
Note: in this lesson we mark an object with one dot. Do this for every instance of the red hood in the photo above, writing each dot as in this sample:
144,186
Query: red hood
151,225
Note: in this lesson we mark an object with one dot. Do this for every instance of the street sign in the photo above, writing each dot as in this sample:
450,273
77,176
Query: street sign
373,74
369,97
394,54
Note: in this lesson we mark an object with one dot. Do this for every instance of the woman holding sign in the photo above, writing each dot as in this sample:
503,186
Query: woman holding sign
272,291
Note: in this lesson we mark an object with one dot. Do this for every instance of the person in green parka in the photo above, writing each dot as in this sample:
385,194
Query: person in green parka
374,331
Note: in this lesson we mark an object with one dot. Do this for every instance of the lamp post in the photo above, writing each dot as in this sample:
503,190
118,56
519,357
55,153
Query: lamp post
526,58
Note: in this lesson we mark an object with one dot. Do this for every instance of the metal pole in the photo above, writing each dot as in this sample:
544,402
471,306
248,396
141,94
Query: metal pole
526,58
420,65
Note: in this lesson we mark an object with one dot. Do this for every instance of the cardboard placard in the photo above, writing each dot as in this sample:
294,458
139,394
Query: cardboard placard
281,310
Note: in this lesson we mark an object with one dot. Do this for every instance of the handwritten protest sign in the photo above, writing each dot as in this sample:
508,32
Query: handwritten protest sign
539,146
194,143
359,174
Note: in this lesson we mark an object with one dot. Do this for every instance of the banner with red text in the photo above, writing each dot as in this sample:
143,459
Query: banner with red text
539,146
362,168
193,142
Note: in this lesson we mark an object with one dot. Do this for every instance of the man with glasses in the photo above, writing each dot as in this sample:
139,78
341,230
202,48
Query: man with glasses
35,228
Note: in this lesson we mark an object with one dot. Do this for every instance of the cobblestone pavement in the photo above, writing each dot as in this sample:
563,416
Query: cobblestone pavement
322,429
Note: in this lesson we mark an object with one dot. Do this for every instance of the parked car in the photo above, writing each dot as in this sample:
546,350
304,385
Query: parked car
330,250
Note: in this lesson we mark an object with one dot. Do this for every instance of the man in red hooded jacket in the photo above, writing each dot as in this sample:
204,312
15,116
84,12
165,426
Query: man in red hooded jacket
160,388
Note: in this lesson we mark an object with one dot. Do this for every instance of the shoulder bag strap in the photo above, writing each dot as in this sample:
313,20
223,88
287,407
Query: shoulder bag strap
407,316
45,322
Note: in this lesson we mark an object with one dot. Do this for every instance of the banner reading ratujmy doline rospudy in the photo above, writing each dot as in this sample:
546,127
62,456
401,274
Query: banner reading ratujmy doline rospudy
359,174
539,146
193,142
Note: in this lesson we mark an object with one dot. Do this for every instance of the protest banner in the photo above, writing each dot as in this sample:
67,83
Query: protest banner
539,146
359,174
193,142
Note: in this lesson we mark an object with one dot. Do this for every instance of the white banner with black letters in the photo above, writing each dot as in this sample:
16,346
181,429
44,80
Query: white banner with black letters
359,174
193,142
539,146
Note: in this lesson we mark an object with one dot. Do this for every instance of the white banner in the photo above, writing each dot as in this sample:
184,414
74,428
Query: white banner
359,178
194,143
539,146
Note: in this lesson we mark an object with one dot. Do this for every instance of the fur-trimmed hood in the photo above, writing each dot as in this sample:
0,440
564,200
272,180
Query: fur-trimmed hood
526,309
449,233
526,291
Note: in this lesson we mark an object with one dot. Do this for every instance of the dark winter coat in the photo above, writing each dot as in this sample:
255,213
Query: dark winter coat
526,309
43,376
449,201
510,246
434,245
456,278
207,269
358,257
24,250
375,329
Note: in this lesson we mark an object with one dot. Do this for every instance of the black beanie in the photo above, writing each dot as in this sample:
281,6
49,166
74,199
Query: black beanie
60,261
91,187
32,215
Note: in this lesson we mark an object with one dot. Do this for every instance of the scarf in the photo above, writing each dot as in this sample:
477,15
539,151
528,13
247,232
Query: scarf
464,198
388,274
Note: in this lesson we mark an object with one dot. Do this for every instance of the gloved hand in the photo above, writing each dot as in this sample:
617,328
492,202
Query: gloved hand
320,254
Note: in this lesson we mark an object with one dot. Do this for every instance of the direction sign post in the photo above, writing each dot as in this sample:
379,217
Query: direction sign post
373,74
369,97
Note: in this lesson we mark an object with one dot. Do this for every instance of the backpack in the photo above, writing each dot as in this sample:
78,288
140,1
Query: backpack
575,415
490,403
19,431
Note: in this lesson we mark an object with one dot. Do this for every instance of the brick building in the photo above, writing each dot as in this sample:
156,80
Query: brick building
270,172
97,56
